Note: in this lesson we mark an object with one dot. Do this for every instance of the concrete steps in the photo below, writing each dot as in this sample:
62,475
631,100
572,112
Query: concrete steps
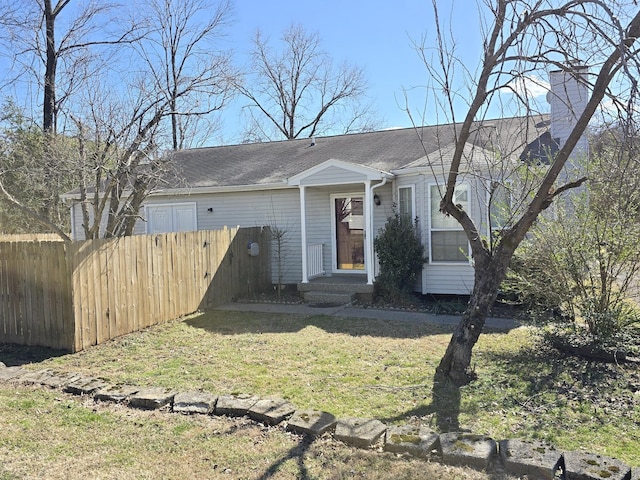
335,290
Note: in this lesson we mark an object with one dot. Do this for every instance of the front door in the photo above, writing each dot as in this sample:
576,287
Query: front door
348,230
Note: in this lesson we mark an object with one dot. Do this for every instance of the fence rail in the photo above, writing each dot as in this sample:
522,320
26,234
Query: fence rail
72,295
30,237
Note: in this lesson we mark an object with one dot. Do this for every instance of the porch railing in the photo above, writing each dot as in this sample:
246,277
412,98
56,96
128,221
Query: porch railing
315,261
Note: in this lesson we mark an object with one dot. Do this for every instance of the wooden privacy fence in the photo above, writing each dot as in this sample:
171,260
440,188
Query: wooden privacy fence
71,295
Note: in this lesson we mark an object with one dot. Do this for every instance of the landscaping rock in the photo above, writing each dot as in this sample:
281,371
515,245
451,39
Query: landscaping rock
476,451
117,393
533,459
235,405
59,380
412,439
311,422
85,385
360,432
12,373
36,376
587,466
194,402
152,398
2,365
271,411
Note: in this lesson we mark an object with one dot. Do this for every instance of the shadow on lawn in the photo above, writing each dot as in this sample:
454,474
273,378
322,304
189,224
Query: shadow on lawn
12,354
236,323
297,453
443,411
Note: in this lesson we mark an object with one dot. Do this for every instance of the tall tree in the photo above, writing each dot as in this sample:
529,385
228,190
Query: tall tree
525,39
298,91
185,61
57,48
37,44
120,117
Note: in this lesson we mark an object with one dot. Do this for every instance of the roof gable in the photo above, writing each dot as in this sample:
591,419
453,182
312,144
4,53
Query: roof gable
336,172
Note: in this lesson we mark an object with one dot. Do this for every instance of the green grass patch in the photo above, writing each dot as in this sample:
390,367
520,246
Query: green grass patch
379,369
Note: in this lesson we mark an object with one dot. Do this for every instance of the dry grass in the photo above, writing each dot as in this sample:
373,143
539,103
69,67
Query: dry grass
349,367
50,435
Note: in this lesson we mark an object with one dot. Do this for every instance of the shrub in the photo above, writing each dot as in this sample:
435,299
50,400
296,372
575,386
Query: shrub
401,256
532,284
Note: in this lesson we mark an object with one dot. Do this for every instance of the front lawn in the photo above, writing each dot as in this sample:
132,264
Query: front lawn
384,370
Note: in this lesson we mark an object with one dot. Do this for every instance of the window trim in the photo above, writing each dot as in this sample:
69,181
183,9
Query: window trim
459,228
412,188
147,206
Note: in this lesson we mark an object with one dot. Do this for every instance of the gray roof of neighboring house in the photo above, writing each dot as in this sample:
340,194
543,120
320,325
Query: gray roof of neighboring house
272,163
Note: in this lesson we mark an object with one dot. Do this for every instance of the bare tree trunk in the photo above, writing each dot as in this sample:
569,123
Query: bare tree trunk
49,104
489,273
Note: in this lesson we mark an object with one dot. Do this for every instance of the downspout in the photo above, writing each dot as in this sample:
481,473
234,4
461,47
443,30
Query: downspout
371,253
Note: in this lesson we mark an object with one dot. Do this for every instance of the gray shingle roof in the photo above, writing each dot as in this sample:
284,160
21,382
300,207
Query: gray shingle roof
389,150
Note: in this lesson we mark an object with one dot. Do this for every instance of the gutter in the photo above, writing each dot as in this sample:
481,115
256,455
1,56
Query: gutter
198,190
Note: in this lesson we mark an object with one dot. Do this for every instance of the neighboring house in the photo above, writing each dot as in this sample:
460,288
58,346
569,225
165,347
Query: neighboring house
332,195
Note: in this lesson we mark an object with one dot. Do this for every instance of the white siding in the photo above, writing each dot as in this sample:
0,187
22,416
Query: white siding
281,208
448,279
319,213
333,176
454,279
568,99
250,209
77,232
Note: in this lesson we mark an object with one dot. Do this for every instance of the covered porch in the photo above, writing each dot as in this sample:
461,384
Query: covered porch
337,203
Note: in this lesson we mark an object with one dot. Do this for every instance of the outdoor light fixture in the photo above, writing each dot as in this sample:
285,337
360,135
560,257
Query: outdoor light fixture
210,209
376,199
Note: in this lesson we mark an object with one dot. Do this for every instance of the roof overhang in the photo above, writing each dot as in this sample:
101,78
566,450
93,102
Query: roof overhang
187,191
337,172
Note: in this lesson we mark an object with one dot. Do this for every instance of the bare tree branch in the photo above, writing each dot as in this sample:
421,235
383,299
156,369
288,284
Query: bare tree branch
298,89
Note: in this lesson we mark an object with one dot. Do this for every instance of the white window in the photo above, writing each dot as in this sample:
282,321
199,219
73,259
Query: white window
500,202
406,201
448,241
175,217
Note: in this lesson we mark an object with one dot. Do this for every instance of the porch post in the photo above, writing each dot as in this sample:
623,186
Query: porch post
368,231
303,232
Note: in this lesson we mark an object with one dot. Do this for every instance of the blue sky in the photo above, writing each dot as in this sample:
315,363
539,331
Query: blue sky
376,35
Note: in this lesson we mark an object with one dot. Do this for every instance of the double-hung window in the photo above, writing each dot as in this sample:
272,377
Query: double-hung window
406,202
448,241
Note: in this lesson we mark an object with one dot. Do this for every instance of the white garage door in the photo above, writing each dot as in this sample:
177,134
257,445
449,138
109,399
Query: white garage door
176,217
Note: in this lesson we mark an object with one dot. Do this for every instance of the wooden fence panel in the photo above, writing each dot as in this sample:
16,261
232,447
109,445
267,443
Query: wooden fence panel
72,295
35,294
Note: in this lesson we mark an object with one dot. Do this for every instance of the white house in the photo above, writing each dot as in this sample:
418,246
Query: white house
331,195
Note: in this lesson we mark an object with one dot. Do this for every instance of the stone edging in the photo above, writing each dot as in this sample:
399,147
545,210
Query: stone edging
537,460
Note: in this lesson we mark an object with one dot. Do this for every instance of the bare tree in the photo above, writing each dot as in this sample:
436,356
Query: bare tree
35,43
524,39
117,157
119,116
298,91
59,62
186,64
